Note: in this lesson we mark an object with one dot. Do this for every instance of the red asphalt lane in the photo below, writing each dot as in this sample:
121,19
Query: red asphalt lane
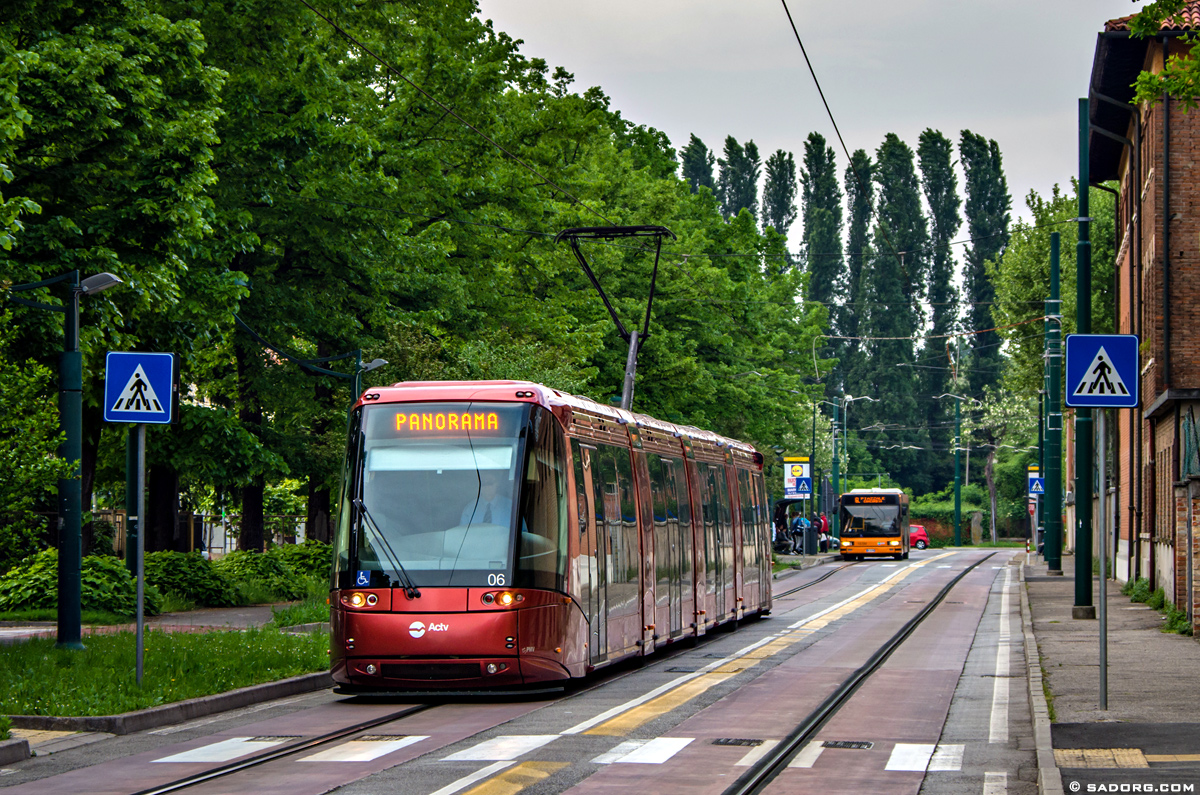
905,701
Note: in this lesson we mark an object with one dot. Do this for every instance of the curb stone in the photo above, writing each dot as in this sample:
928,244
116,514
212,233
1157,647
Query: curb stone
178,712
1049,779
15,750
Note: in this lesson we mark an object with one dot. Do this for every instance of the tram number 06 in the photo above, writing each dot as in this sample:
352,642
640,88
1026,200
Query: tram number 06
495,579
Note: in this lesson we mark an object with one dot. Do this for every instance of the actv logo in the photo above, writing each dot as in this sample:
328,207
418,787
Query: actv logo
418,629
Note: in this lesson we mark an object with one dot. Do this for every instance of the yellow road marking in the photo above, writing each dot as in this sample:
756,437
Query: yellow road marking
517,778
1172,757
1101,757
677,697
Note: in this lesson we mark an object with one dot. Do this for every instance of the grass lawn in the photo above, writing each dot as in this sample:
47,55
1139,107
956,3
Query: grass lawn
100,680
99,617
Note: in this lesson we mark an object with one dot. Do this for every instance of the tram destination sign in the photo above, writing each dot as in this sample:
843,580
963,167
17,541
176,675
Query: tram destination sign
1102,371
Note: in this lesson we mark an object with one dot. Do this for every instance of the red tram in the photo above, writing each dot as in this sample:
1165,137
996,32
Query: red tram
504,535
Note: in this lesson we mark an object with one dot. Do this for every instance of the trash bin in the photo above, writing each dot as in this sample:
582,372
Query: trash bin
811,542
1041,537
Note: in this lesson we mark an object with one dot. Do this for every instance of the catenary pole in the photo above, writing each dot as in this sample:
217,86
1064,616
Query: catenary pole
1084,434
1052,542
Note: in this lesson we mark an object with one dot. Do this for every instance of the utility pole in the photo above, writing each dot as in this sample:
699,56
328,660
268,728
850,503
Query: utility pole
834,509
957,471
1052,542
1083,607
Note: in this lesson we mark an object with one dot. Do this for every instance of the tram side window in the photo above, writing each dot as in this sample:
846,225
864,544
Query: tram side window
685,503
749,521
541,556
725,515
631,559
665,517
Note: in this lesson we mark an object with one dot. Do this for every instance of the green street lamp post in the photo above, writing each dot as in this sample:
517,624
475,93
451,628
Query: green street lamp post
70,418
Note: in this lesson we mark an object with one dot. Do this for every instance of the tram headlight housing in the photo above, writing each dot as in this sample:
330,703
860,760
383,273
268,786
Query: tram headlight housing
504,598
357,599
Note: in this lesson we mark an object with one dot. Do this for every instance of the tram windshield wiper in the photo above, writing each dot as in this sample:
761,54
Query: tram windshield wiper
410,588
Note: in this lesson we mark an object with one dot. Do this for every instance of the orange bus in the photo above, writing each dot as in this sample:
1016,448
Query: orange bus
874,523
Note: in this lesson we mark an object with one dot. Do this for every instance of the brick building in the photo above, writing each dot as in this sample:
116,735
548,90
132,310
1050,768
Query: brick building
1154,155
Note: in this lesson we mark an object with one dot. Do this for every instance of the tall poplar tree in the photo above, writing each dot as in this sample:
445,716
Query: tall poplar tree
987,211
941,195
860,192
737,187
890,317
697,163
779,192
822,215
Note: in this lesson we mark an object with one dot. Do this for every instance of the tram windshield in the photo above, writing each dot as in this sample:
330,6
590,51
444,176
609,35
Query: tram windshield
871,520
455,494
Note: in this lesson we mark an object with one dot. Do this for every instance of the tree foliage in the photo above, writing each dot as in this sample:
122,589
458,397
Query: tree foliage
779,192
697,163
987,211
1180,77
737,187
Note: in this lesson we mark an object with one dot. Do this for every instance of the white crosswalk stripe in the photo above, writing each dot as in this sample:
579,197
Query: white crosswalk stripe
226,750
363,750
502,749
910,756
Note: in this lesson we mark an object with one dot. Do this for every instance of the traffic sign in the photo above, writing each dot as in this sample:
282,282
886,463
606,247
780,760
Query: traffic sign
1032,507
1102,371
797,478
140,388
1037,486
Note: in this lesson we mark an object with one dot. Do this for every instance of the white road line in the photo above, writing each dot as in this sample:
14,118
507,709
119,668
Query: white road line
995,783
502,749
845,602
619,752
947,757
658,691
998,732
910,756
223,751
467,781
656,751
808,754
756,754
363,750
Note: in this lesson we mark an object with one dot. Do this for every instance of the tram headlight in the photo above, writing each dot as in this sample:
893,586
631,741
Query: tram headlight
845,543
357,599
504,598
894,543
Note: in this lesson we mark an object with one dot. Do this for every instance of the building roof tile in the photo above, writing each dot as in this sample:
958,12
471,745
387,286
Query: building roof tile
1187,19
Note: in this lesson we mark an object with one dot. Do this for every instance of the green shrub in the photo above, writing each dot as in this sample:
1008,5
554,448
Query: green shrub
103,533
259,571
314,608
310,559
1157,600
5,726
1140,592
105,584
190,576
21,535
1177,621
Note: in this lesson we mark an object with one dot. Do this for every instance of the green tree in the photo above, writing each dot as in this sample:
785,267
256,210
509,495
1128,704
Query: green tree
1006,421
890,319
860,192
822,216
1180,77
1022,279
779,192
118,118
987,214
737,186
697,164
941,195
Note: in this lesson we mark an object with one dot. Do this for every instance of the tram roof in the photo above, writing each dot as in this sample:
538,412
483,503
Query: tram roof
509,391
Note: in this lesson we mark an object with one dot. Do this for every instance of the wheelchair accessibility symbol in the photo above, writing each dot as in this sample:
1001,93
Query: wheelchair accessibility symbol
364,578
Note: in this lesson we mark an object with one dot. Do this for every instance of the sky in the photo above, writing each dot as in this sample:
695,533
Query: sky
1010,70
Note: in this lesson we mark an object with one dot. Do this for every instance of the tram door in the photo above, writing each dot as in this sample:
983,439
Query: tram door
590,522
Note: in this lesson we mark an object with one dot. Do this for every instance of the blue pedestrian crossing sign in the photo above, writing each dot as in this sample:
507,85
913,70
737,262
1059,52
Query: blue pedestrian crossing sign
1037,486
139,387
1102,371
803,487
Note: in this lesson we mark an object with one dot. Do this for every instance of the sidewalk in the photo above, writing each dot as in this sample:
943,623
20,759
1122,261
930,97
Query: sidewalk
1150,733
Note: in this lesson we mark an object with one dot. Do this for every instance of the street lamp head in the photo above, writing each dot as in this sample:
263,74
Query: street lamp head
373,364
98,283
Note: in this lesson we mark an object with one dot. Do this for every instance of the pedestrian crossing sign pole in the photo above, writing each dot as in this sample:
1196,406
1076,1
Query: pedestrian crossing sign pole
140,388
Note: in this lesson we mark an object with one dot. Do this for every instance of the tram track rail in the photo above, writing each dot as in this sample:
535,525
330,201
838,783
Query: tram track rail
762,773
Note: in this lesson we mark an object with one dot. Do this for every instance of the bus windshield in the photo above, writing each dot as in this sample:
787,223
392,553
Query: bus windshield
439,481
871,520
